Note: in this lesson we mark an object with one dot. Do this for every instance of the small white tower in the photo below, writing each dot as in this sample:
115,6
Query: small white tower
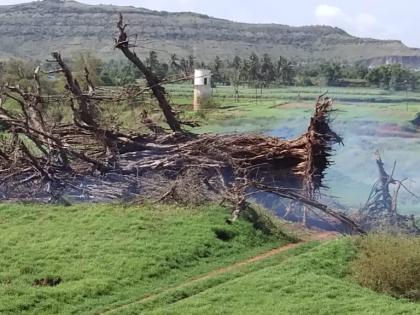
202,87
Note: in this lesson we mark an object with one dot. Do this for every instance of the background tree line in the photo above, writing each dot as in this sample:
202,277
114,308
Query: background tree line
256,71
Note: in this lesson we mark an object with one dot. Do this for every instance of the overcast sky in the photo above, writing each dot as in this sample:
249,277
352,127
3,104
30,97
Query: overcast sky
386,19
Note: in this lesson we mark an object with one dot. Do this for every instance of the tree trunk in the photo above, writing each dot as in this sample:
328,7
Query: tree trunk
152,81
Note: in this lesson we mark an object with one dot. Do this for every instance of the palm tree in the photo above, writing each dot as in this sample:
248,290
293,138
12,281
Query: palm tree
254,68
244,70
216,69
175,66
191,63
236,63
152,61
284,71
267,70
288,72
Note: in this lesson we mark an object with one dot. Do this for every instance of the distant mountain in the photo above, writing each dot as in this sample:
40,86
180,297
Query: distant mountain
33,30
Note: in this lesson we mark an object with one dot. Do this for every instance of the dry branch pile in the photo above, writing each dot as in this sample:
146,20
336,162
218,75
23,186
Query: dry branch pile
84,160
52,152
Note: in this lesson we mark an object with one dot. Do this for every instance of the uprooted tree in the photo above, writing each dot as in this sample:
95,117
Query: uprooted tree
40,159
380,211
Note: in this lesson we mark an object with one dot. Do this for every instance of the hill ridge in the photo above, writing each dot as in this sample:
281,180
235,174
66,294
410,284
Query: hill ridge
34,29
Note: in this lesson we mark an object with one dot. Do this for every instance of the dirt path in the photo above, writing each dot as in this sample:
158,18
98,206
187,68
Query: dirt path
320,236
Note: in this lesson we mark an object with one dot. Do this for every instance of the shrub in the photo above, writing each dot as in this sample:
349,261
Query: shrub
389,264
210,104
268,223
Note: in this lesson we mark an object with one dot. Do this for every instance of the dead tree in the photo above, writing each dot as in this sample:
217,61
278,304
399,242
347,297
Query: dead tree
123,44
29,102
85,110
296,196
63,148
380,210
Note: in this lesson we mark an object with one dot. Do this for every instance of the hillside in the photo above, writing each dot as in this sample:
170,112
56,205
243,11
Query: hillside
35,29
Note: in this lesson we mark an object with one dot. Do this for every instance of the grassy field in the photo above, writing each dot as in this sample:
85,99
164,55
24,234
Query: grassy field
106,254
314,282
115,259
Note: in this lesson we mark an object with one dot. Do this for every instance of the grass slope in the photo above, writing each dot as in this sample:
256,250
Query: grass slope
106,254
314,282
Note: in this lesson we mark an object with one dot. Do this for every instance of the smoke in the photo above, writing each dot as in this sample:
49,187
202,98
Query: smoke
354,171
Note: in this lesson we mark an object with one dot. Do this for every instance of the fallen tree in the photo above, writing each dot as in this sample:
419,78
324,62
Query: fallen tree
83,160
380,211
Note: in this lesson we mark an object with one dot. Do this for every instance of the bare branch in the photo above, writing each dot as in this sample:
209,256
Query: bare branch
122,43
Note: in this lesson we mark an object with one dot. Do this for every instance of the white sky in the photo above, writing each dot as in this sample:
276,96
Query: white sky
386,19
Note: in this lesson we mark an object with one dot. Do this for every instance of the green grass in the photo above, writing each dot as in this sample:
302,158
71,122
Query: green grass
192,288
108,254
315,282
110,257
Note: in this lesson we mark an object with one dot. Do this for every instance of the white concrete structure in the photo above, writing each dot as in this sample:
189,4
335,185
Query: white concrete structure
202,87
